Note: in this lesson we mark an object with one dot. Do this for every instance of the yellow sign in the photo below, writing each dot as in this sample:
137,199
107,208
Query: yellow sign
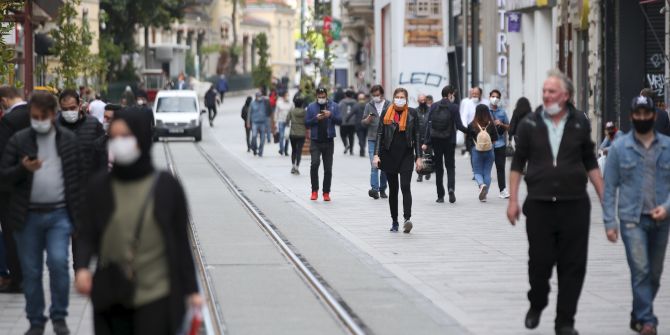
541,3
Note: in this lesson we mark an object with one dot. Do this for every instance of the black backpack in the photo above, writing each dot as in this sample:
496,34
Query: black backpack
441,121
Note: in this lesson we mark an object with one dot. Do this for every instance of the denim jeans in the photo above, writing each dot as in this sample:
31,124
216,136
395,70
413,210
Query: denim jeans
482,162
51,232
645,249
268,130
4,272
378,180
258,128
281,127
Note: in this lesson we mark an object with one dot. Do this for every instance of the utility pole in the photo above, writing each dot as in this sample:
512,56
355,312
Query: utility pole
302,38
666,97
474,9
28,48
464,12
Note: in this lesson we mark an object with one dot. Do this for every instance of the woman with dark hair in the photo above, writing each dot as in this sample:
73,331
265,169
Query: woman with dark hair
397,148
135,223
483,132
247,130
296,121
522,109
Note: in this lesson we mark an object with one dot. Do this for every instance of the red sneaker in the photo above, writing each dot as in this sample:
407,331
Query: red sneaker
315,195
326,197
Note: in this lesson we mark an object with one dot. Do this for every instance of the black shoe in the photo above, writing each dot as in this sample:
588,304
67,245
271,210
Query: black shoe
635,325
440,200
373,194
35,330
452,197
383,195
566,330
394,227
362,154
532,319
419,179
11,288
60,327
407,226
427,177
211,123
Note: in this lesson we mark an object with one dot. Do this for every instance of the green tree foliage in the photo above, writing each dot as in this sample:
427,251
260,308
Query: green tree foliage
6,52
262,73
68,48
190,64
122,19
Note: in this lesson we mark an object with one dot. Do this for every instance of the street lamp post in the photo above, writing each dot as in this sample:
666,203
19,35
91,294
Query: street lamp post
28,48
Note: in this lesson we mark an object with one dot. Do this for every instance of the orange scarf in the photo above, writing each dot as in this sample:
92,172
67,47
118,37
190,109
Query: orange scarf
390,116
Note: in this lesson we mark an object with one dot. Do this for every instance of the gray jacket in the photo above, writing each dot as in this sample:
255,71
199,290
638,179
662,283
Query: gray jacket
347,108
373,123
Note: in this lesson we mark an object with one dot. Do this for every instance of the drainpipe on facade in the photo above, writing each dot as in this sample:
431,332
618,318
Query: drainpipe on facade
464,12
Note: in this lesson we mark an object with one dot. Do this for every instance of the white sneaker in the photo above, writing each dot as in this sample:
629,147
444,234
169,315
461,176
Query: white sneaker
504,194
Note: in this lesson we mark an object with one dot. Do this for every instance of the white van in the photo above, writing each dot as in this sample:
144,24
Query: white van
177,113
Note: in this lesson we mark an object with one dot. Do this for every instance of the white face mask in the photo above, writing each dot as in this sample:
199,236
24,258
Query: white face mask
400,102
552,109
475,100
41,127
105,126
321,101
494,101
124,150
377,99
451,98
70,116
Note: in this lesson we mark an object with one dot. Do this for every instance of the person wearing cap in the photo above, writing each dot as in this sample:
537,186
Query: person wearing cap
639,161
611,134
555,142
321,118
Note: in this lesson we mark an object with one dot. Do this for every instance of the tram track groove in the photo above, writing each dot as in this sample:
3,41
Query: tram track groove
319,286
213,323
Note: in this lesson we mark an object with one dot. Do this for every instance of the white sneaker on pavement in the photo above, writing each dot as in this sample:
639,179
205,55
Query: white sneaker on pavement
504,194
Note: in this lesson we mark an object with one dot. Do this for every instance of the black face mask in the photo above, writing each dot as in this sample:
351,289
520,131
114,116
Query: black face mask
643,126
423,104
610,132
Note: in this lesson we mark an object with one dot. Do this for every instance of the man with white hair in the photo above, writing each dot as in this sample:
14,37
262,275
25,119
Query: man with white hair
555,142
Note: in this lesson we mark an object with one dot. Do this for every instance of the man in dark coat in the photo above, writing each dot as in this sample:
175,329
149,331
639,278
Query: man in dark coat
210,102
16,117
41,164
87,128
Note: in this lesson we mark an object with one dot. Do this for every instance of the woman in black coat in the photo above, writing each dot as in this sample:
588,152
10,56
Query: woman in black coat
397,150
136,219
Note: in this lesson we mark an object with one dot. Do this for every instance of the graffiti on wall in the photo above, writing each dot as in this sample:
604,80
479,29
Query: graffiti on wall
422,78
656,82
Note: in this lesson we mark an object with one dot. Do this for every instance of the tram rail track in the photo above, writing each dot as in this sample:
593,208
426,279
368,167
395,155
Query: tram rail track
330,299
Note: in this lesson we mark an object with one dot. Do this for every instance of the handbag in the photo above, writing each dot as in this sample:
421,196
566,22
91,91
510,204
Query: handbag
427,164
509,149
114,284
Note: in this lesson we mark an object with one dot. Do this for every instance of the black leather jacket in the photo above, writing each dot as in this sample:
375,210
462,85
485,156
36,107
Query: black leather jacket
412,132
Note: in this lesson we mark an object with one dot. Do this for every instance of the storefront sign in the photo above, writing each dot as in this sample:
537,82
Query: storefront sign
501,41
513,22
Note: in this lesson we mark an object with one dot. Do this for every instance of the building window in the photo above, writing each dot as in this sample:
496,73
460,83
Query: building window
422,8
436,7
225,32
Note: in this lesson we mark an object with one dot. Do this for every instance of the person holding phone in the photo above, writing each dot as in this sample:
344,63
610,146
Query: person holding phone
41,163
372,111
322,116
397,148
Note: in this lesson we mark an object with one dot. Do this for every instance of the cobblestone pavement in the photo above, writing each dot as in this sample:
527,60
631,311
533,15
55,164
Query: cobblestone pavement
464,257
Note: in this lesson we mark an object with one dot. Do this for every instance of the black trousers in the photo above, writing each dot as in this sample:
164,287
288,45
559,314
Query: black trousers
211,112
405,180
362,135
12,257
152,318
222,95
500,160
558,234
248,137
444,151
347,133
297,142
318,151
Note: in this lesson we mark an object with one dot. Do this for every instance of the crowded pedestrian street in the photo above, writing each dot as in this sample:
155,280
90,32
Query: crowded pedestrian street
462,270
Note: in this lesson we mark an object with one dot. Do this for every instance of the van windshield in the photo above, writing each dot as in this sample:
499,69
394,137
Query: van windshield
176,105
